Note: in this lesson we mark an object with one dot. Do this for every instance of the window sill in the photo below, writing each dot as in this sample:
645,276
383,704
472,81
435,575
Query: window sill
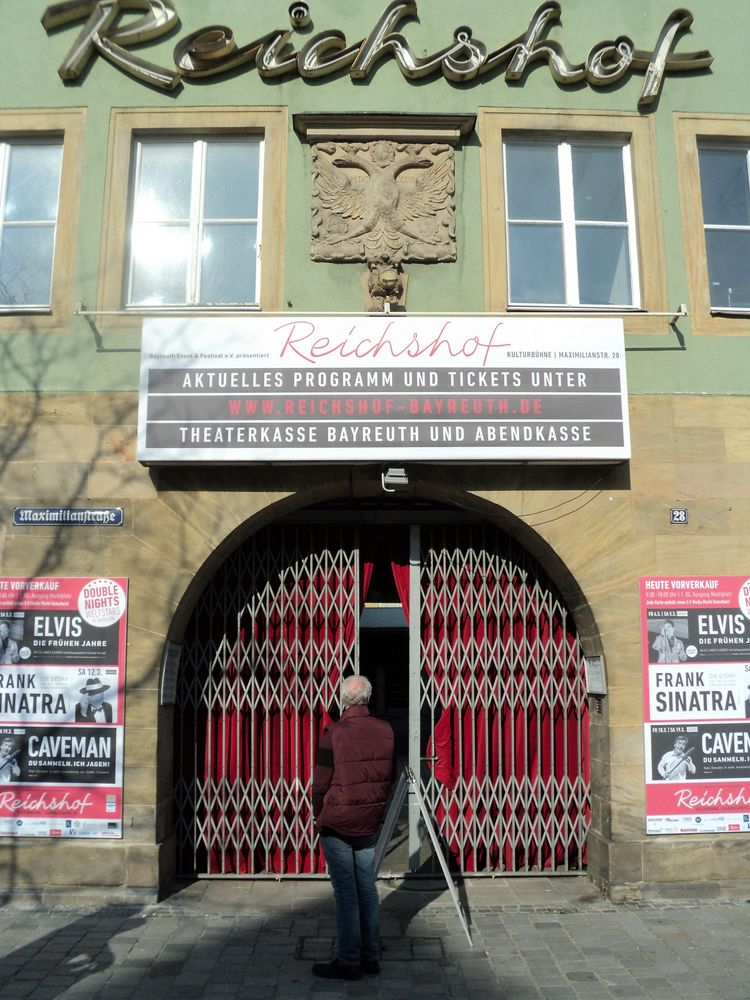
25,311
565,310
186,310
141,312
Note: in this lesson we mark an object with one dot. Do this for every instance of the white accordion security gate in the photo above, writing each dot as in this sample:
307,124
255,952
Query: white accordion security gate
264,653
498,725
503,704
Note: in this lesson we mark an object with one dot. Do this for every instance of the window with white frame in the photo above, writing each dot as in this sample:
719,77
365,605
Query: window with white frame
30,172
570,223
195,229
187,192
725,198
572,218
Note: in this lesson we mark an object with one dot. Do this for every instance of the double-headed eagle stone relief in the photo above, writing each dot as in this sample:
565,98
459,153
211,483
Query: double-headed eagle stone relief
383,200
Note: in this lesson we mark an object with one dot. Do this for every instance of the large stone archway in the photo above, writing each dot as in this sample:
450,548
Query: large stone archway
276,626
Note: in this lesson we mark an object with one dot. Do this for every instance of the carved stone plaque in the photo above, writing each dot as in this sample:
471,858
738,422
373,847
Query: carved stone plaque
383,200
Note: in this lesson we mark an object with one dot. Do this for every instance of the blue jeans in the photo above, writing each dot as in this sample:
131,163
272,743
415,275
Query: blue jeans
356,897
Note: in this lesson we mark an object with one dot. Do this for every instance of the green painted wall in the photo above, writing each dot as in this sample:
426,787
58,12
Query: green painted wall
69,359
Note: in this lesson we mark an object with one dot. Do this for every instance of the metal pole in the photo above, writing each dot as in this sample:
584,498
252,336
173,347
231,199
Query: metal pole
415,665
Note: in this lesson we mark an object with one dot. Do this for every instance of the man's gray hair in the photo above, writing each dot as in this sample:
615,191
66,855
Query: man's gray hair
355,690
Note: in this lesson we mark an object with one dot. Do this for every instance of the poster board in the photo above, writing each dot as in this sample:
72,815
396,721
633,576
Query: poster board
62,706
408,782
695,642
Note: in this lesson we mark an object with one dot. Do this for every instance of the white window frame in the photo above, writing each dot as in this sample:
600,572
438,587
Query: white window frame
6,146
693,130
196,221
495,124
65,127
569,224
270,124
724,228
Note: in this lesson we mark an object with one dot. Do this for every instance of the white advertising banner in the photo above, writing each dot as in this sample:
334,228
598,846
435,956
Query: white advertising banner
363,388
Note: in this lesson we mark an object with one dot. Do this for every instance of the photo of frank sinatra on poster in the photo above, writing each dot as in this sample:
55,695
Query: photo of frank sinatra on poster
695,636
62,679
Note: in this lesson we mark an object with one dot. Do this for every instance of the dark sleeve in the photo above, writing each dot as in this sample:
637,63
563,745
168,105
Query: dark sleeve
322,774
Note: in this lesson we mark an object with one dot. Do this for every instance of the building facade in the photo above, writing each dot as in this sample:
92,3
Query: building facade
374,341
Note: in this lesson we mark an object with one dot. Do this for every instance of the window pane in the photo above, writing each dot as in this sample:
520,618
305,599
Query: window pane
603,266
536,264
232,180
724,187
163,187
33,182
26,265
532,181
598,184
228,261
728,271
160,259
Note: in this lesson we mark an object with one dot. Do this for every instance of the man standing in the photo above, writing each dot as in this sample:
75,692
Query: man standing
354,770
668,646
92,707
9,768
8,647
676,764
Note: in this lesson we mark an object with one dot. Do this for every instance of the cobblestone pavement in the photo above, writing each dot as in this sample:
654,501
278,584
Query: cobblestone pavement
532,938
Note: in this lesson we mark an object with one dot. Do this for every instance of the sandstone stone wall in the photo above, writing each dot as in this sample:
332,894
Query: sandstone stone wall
595,529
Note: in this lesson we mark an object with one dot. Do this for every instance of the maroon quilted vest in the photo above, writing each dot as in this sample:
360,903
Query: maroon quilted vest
363,768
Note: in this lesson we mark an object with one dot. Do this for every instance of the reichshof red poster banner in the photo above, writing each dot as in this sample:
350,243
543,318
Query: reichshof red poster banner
62,701
695,635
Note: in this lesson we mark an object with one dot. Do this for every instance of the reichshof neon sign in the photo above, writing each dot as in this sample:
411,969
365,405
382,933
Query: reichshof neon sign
212,50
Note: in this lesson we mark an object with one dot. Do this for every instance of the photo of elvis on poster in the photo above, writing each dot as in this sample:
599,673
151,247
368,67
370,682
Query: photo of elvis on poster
668,645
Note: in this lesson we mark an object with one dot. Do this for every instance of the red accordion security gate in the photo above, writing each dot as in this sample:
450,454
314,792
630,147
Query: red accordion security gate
498,724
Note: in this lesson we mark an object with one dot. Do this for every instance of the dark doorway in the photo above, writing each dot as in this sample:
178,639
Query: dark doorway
384,659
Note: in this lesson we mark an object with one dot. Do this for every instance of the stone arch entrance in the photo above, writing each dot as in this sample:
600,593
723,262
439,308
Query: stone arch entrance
484,662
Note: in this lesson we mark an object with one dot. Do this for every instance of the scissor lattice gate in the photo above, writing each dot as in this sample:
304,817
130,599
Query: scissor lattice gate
502,694
263,657
501,708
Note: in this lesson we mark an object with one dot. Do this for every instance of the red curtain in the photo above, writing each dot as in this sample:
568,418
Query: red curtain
398,550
